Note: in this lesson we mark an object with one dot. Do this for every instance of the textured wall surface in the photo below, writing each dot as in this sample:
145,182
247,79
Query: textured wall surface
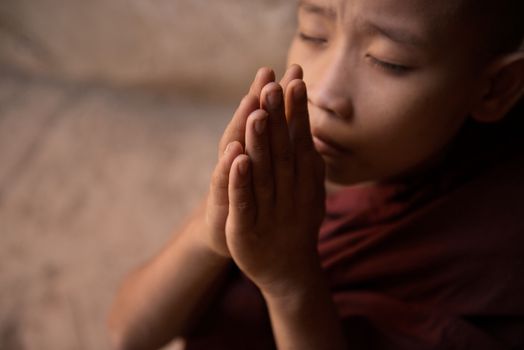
193,44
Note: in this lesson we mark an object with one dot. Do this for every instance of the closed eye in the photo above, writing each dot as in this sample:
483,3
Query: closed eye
389,66
312,39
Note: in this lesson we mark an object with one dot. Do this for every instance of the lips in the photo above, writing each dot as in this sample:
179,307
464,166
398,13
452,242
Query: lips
327,147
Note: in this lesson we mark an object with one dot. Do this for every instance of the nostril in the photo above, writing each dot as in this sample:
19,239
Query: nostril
340,109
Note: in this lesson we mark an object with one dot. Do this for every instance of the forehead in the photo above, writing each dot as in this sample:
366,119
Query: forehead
432,19
416,8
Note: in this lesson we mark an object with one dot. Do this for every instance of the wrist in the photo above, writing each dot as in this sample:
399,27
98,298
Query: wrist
198,234
306,318
206,247
301,288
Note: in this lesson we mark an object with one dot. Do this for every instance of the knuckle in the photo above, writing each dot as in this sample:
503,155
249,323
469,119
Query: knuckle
248,100
242,199
241,192
259,148
219,180
243,206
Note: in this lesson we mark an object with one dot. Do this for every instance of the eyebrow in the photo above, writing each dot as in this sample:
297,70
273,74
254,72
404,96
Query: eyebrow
317,9
396,34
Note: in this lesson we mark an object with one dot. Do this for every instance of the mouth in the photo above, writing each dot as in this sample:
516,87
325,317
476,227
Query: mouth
327,147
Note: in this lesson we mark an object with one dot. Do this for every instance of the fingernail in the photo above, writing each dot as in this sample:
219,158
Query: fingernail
262,71
299,92
259,73
228,147
243,167
274,98
260,125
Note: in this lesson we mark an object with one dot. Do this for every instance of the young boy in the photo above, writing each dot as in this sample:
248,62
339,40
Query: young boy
410,123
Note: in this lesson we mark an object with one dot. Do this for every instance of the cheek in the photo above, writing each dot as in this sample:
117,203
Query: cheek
411,102
401,122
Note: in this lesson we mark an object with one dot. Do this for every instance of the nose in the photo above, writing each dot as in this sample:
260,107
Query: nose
329,85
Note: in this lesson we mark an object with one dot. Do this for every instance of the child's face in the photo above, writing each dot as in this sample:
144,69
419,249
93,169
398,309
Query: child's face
390,82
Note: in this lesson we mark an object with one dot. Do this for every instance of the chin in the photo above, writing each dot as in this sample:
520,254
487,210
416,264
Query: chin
347,177
352,171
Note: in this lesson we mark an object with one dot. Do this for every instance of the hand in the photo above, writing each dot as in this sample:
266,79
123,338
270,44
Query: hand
276,193
233,139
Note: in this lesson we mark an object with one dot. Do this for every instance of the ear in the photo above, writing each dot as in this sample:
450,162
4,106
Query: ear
504,88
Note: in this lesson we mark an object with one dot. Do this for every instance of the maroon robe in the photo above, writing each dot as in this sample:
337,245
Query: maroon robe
431,262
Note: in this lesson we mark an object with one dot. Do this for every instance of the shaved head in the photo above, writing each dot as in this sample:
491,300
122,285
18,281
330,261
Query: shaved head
501,23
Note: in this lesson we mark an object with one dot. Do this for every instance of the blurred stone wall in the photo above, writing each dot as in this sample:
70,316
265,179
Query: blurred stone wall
197,45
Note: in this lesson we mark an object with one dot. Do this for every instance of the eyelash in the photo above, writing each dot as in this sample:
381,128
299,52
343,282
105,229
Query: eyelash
312,39
390,67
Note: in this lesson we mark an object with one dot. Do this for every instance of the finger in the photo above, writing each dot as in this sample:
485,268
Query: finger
235,130
258,150
293,72
263,77
309,164
281,153
298,117
242,207
218,191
